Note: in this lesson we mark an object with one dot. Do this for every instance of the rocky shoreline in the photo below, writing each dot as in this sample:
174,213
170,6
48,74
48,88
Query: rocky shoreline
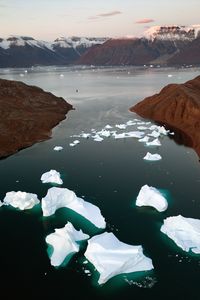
28,115
178,107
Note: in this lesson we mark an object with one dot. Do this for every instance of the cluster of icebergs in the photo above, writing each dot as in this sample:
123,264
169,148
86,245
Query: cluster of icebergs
146,133
104,251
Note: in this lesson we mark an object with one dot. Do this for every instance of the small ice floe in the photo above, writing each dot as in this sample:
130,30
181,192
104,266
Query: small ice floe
154,134
51,177
142,128
152,157
61,75
153,127
121,126
119,135
21,75
74,143
85,135
97,138
155,142
63,197
135,134
103,132
169,75
162,130
130,123
185,232
64,242
150,196
108,126
111,257
58,148
145,139
21,200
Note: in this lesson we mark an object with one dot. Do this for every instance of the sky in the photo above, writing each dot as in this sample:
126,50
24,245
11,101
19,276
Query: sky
49,19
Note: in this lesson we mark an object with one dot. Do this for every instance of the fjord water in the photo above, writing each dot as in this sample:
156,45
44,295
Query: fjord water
108,174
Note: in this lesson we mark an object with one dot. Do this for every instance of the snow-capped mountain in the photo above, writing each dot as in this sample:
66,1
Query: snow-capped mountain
159,45
172,32
23,51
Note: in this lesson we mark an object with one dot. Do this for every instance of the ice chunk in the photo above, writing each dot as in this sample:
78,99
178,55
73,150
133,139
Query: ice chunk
21,200
63,197
136,134
142,128
121,126
152,157
97,138
119,136
150,196
51,176
108,126
154,134
74,143
58,148
130,123
85,135
64,242
162,130
104,132
185,232
145,139
112,257
155,142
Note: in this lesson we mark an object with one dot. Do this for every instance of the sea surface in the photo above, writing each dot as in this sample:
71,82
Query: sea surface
108,174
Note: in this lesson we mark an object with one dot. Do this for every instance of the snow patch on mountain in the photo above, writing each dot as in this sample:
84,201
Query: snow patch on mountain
173,32
75,42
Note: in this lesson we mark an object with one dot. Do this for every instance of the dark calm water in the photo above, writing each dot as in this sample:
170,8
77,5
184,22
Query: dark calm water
108,174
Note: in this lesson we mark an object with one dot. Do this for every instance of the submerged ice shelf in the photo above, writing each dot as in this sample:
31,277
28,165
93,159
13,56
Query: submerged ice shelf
62,197
150,196
112,257
64,242
185,232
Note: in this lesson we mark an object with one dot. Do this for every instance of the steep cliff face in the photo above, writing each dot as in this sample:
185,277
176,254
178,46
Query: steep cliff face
27,115
178,106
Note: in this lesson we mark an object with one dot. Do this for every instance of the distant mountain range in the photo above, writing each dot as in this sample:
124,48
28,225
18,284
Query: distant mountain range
160,45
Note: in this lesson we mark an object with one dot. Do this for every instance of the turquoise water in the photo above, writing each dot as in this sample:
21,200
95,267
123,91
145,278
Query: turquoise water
108,174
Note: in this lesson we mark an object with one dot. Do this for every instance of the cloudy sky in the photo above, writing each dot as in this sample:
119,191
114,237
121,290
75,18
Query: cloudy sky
49,19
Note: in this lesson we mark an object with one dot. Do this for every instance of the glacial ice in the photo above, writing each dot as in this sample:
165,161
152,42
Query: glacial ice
154,134
145,139
21,200
58,148
150,196
111,257
155,142
51,177
152,157
185,232
63,197
64,242
74,143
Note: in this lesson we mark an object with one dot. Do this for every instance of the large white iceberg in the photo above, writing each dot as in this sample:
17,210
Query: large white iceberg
52,176
150,196
64,242
111,257
185,232
63,197
152,157
21,200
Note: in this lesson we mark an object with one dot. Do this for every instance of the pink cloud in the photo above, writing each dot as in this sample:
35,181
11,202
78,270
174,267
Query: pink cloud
144,21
